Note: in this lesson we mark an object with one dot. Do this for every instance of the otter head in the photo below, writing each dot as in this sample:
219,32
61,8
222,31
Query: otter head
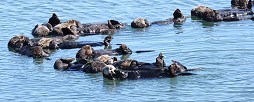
88,49
161,56
53,45
54,20
212,16
242,3
140,23
86,52
63,63
110,72
249,5
177,14
18,42
123,49
107,40
37,52
175,68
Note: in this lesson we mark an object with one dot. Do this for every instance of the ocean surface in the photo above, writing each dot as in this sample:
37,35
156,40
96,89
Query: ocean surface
225,51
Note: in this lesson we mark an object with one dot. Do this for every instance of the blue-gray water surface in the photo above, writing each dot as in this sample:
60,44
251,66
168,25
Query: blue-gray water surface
225,51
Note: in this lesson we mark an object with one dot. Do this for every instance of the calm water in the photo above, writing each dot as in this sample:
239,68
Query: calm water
225,50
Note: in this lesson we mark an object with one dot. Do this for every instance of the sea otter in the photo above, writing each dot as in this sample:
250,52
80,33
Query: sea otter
160,61
110,72
110,27
80,44
211,15
140,23
178,17
33,51
42,30
87,52
63,63
54,42
145,70
242,4
123,49
70,27
17,42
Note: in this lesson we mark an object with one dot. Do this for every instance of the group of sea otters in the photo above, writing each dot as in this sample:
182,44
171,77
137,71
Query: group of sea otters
62,35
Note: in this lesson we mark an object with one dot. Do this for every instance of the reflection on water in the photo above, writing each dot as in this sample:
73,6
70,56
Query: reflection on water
178,27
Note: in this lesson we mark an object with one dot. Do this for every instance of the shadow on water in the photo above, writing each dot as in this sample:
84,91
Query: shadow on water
178,27
111,85
205,24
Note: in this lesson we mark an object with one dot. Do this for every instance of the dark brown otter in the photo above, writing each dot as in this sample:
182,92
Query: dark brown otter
177,18
63,63
86,52
102,28
18,41
211,15
242,4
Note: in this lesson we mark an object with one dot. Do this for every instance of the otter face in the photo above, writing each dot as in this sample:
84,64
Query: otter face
177,67
88,50
18,41
173,70
53,45
140,23
123,49
60,64
37,52
108,70
242,4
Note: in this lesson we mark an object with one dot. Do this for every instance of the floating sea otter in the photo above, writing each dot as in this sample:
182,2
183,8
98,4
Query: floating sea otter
241,4
110,27
142,23
92,66
80,44
55,28
17,42
87,52
132,69
233,14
